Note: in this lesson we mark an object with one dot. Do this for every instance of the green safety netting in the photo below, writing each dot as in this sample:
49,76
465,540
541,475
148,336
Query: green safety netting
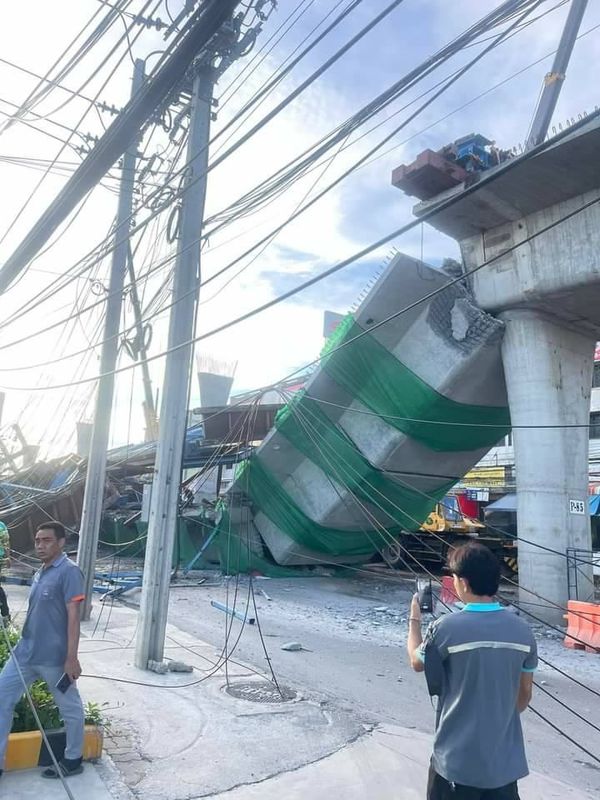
270,497
235,556
374,376
307,427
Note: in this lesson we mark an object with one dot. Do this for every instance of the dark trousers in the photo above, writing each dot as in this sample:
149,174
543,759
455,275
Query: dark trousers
439,788
3,603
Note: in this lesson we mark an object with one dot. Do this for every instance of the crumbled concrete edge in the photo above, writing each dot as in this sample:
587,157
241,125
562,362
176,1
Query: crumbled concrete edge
366,731
111,777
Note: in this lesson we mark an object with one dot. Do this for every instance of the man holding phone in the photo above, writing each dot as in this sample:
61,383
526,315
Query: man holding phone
479,662
48,648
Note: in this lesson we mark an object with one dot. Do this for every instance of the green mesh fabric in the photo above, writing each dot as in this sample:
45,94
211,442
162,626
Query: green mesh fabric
374,376
307,427
236,557
270,497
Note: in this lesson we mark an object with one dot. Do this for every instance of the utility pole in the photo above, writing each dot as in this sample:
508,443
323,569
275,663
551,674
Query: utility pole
554,80
173,413
121,134
96,469
149,407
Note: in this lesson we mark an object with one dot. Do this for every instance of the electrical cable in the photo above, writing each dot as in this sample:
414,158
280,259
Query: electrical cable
490,89
233,263
201,176
381,101
34,99
46,80
66,50
334,461
564,735
265,123
334,464
77,124
269,86
301,287
248,69
567,707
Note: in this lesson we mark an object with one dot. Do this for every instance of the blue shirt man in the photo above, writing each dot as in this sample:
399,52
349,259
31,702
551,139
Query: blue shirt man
480,663
49,646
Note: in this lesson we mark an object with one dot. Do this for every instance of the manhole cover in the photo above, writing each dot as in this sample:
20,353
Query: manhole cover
260,692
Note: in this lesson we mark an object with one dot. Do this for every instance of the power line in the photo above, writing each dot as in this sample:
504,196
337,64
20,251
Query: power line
365,251
269,86
40,92
564,735
38,185
339,476
120,134
334,465
261,242
474,31
247,70
282,177
51,82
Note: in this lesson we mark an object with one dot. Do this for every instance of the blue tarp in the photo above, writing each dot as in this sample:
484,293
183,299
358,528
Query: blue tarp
594,502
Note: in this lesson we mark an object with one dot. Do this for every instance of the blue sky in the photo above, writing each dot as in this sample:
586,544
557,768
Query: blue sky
359,211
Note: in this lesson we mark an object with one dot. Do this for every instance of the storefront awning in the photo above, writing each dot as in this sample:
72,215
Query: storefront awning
506,503
509,503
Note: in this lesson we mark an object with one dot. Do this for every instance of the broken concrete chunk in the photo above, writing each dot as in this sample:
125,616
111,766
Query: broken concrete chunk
292,646
160,667
180,666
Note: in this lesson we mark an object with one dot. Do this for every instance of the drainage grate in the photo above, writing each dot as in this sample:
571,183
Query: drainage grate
260,692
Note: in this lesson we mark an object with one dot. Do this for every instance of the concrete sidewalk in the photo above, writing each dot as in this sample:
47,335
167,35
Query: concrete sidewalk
183,737
29,785
390,763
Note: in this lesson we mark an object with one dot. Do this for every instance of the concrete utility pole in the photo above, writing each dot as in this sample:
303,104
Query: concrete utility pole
555,78
96,470
149,409
173,414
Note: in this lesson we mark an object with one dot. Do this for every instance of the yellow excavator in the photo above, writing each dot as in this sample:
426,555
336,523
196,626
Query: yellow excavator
447,517
445,527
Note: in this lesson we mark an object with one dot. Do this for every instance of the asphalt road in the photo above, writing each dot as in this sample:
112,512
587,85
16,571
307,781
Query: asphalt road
353,634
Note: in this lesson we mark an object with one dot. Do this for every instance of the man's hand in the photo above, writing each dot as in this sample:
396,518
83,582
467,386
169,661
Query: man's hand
415,637
73,668
415,609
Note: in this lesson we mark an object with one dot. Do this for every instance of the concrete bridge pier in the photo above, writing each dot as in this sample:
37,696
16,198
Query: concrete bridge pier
530,237
548,371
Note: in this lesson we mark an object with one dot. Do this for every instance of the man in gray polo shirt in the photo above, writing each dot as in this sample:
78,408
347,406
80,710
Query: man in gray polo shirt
48,646
479,662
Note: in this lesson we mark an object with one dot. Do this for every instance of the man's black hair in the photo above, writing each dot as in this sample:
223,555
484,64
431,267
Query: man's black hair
57,527
478,566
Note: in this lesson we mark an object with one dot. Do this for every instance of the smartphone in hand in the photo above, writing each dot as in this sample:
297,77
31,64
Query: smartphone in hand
425,595
64,683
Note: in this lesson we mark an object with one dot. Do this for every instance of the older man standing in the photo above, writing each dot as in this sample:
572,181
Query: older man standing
48,648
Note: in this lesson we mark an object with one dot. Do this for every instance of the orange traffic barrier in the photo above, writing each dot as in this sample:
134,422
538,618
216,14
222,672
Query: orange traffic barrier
447,594
583,626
